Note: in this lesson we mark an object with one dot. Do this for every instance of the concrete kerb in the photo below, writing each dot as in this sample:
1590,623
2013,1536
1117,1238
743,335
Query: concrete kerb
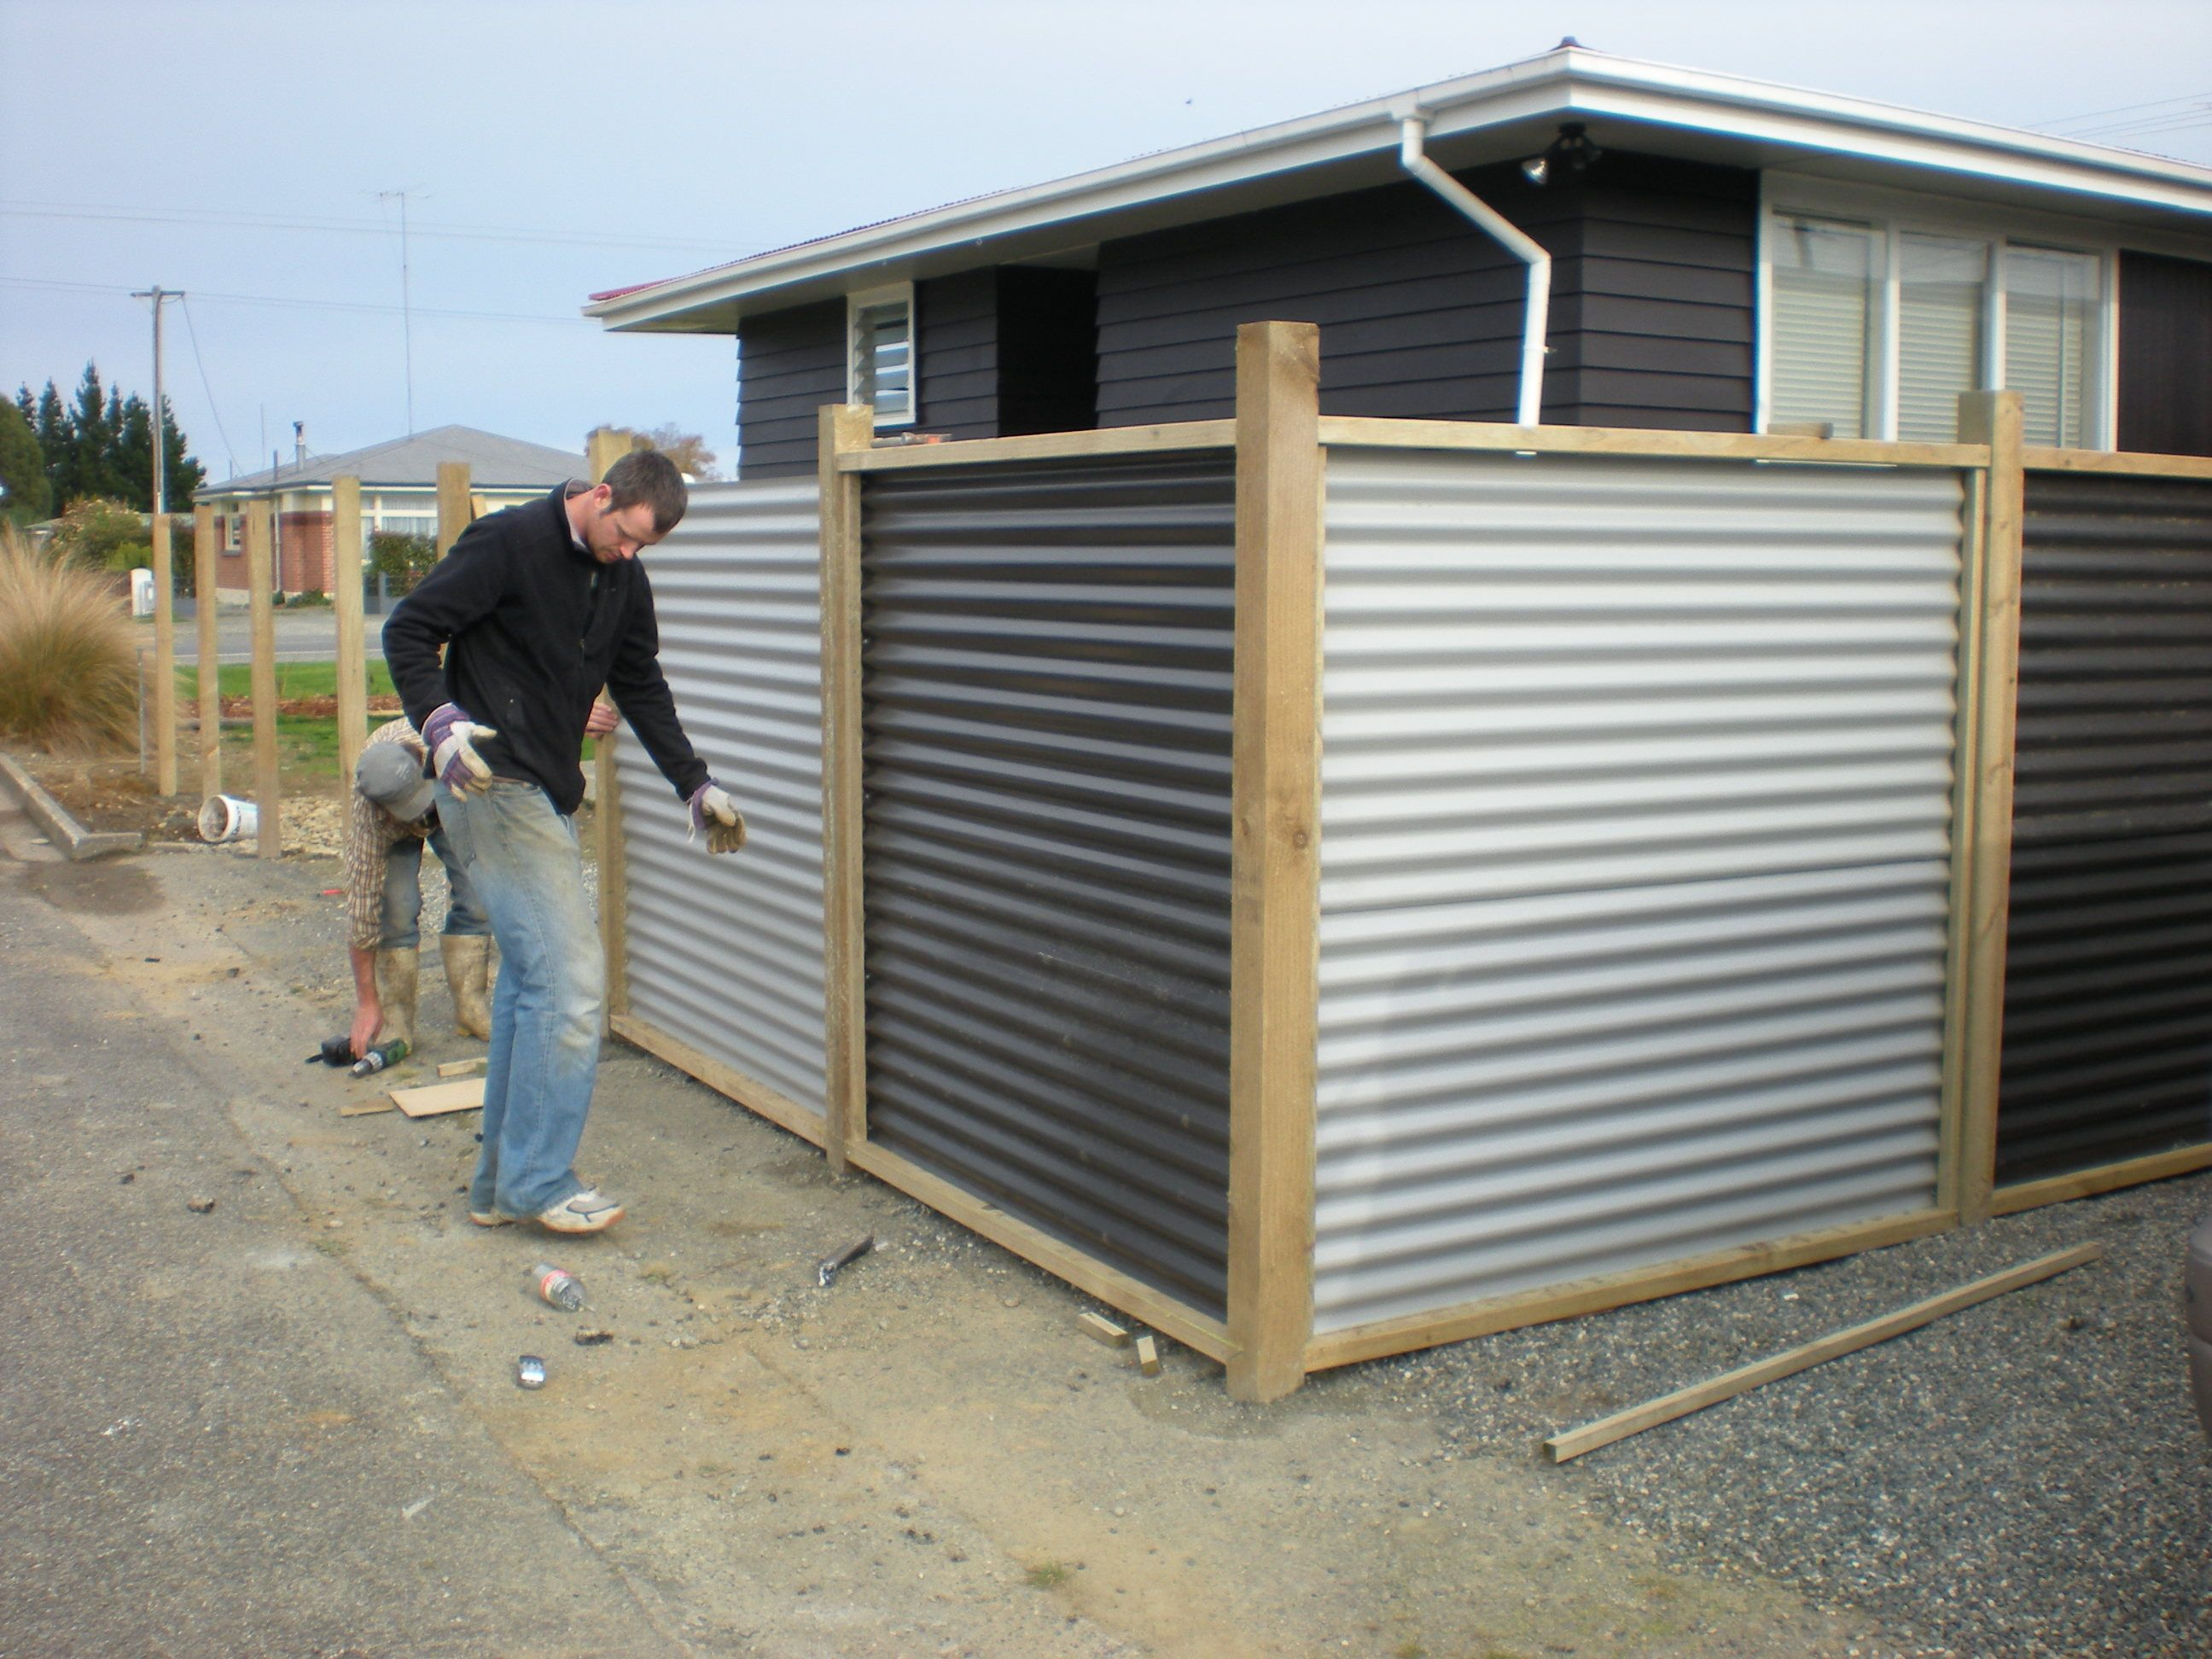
61,828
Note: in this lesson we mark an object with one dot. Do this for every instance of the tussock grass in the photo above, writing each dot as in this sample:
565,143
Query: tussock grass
68,674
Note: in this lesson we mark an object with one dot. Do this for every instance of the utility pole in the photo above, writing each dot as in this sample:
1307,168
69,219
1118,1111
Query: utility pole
160,296
406,303
165,646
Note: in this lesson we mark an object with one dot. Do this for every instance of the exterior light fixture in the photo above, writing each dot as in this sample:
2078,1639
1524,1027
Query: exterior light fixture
1571,150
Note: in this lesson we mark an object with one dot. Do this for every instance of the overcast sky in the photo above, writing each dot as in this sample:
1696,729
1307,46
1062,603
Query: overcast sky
243,151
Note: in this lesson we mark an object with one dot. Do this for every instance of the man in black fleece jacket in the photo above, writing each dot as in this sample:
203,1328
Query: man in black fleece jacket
535,608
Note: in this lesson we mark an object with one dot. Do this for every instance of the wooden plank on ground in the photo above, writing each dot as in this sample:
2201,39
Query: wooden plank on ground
1681,1403
366,1108
434,1099
461,1068
1099,1328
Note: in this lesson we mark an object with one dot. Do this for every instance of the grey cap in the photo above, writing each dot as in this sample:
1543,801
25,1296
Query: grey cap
391,775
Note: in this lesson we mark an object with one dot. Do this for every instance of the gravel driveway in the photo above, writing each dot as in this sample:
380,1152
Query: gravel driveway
2025,1478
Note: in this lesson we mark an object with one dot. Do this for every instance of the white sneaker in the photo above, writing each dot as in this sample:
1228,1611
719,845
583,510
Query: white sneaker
588,1212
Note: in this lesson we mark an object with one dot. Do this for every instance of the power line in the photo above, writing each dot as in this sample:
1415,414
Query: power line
2118,109
214,408
307,305
92,211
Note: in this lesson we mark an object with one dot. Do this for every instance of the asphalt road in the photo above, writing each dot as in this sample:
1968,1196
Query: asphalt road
214,1439
309,635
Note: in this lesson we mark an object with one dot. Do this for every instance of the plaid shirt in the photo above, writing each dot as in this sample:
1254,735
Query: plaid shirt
371,833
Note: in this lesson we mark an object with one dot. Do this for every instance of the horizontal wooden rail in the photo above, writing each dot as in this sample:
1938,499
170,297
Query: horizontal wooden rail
748,1092
1043,446
1071,1262
1601,1291
2125,464
2104,1178
1378,433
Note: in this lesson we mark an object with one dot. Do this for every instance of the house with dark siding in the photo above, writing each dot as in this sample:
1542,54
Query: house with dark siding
1726,255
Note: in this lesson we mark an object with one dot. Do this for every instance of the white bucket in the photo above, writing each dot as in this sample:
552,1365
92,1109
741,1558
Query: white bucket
226,818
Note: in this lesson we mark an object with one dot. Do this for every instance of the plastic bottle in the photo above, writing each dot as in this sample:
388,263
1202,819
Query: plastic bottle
557,1285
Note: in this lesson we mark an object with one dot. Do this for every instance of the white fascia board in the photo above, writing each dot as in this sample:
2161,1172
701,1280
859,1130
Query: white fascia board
1570,83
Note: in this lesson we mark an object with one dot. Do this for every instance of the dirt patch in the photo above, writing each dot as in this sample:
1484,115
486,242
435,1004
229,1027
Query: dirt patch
321,708
109,794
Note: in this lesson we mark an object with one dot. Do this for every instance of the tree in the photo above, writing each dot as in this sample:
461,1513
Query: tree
53,441
23,468
687,449
101,445
86,455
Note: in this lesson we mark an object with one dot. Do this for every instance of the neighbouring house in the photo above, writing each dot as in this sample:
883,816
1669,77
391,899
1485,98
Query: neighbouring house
398,493
1727,256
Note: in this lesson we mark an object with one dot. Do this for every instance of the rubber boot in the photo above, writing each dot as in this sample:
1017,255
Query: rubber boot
397,972
468,966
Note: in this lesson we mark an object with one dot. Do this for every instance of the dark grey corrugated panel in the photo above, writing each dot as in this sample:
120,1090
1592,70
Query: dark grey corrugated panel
2108,984
1047,668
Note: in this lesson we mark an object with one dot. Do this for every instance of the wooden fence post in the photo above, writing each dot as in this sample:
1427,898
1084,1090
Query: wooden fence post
164,660
259,576
346,568
453,503
603,448
841,428
1275,856
207,615
1992,418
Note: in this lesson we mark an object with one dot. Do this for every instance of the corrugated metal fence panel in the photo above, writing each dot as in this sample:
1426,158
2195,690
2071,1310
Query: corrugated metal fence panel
725,953
1047,668
2108,983
1635,800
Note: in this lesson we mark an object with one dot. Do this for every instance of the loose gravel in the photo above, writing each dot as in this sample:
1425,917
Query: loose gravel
2025,1478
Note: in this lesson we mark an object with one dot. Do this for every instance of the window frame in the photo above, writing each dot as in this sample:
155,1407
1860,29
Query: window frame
1890,216
872,298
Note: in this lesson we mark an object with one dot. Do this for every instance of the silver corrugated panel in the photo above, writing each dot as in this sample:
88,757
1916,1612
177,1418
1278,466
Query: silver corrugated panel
1635,789
1048,674
2108,968
725,953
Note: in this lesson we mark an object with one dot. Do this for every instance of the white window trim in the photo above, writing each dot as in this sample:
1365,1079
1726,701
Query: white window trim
891,294
1893,213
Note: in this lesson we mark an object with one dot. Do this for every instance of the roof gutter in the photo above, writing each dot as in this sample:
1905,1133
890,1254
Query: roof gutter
1413,132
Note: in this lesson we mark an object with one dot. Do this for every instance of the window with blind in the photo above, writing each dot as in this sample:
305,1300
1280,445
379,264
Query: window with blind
1874,330
1823,310
2050,301
1939,333
880,353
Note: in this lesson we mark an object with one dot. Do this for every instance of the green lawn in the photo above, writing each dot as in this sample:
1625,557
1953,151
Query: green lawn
294,679
307,745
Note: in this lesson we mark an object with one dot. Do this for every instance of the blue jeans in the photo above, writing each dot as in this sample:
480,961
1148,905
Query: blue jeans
400,927
521,856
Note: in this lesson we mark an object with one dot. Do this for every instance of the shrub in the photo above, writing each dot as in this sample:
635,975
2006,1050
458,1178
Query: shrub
402,560
184,563
103,535
69,676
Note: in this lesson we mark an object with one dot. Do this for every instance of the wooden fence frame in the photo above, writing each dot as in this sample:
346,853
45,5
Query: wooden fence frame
1281,443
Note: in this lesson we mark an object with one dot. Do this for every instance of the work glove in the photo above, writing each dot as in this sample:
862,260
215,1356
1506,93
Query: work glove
451,735
713,810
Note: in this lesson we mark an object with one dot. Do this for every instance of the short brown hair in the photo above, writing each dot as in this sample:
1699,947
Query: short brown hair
648,475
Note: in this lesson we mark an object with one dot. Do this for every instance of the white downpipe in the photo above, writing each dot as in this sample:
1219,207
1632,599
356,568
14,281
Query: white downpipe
1412,131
